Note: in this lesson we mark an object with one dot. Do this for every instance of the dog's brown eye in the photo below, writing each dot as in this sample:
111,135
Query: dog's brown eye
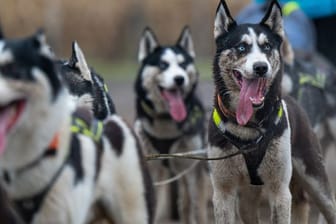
266,47
163,65
9,70
183,65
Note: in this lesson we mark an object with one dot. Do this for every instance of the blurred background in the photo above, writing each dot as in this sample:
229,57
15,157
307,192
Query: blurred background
108,31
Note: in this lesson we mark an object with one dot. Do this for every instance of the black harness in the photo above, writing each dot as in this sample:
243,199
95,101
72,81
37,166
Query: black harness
27,207
189,126
266,129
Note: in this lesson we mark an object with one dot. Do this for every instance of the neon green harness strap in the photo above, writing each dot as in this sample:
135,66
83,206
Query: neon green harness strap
290,7
105,88
318,80
95,131
218,121
220,124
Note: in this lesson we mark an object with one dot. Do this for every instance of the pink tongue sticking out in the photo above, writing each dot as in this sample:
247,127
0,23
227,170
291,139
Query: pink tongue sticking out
250,89
5,121
177,108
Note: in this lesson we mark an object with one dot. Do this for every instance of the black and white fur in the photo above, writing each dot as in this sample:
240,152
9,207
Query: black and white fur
174,123
318,96
87,87
291,164
310,79
81,174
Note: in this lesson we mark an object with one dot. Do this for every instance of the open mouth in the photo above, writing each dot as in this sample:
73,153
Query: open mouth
9,116
175,102
252,95
238,77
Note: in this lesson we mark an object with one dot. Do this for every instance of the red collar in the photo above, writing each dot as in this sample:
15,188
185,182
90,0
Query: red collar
226,112
53,145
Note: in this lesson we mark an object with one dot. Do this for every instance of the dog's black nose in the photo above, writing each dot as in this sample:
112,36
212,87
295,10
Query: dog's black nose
179,80
260,68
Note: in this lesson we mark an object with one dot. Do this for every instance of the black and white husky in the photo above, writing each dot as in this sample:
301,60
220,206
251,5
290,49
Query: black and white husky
170,118
283,161
58,164
86,86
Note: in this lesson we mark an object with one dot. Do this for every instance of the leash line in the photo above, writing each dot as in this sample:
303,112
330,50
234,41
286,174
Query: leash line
177,176
193,155
189,155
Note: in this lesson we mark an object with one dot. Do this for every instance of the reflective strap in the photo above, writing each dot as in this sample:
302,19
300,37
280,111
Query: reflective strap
195,114
105,88
280,113
317,81
95,131
146,108
216,118
218,121
98,131
290,7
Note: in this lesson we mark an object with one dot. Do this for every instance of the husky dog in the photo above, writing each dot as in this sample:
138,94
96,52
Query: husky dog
7,213
170,118
87,87
58,163
282,159
311,79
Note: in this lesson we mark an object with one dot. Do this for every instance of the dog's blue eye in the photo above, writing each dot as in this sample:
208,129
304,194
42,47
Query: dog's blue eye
163,65
241,48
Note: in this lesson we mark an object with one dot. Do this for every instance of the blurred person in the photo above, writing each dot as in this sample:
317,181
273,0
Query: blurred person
308,23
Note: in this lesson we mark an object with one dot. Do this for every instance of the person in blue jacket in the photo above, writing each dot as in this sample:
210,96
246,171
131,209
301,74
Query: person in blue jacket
312,8
310,24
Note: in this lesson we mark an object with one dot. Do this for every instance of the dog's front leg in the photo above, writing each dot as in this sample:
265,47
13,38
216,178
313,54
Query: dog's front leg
224,200
249,200
194,200
280,201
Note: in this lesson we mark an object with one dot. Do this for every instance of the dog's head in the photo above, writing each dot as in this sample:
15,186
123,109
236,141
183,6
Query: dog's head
248,61
86,86
167,76
32,98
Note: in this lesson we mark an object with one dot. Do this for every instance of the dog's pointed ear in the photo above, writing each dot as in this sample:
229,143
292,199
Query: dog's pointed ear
287,51
77,60
186,42
39,41
273,18
223,20
147,44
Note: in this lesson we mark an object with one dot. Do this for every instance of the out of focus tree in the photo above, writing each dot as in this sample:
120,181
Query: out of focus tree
112,28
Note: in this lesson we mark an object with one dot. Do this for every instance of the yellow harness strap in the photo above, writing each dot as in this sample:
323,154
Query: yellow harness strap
146,108
318,80
94,131
220,124
105,88
290,7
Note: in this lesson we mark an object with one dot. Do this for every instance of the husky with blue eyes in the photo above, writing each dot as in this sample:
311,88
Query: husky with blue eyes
58,163
281,157
170,119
